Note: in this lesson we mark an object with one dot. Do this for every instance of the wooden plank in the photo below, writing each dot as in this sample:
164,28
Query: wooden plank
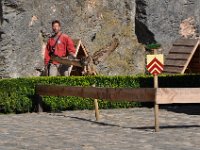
177,95
185,42
66,61
179,63
113,94
181,49
177,56
171,69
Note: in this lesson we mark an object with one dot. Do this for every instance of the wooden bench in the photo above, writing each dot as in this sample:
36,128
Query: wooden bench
155,95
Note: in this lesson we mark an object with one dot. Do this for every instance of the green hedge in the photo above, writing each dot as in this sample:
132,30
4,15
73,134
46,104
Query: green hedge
17,95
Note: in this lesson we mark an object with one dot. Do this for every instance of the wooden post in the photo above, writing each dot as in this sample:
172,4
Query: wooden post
96,108
156,106
39,104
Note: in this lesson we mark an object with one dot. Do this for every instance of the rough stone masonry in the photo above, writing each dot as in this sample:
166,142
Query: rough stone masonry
160,20
95,22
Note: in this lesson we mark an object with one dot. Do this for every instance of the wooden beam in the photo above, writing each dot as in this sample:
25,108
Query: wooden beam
112,94
172,69
177,56
177,95
160,95
178,63
66,61
185,42
181,49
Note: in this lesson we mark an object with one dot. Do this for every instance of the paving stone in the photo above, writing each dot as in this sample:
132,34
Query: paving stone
117,129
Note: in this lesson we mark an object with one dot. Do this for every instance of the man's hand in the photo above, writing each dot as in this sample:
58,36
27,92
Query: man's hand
71,56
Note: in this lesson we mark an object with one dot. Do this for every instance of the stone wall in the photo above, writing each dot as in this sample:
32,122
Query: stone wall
160,20
95,22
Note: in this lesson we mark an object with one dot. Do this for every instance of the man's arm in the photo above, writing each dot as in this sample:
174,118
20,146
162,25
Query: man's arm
46,55
70,47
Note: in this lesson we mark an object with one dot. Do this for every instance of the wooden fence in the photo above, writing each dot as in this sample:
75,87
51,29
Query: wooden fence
155,95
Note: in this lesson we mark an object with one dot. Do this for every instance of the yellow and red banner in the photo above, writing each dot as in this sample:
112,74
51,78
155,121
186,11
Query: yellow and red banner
155,64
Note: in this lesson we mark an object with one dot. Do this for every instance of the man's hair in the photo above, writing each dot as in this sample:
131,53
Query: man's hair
56,21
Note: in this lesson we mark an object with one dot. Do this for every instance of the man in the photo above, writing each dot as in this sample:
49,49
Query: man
60,45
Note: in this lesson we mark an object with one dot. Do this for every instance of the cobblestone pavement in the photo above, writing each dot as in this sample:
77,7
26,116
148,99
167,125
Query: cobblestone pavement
120,129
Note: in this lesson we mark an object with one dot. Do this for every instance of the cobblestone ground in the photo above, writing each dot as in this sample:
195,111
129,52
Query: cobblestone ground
120,129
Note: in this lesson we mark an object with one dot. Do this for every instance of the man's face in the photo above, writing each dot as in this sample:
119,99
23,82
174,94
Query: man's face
56,28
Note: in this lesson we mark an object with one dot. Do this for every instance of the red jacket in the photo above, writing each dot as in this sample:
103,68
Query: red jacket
64,47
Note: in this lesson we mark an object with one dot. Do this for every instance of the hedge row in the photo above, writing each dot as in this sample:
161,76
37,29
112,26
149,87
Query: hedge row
17,95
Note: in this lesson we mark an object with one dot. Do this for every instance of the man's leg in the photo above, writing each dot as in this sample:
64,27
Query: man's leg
63,70
53,70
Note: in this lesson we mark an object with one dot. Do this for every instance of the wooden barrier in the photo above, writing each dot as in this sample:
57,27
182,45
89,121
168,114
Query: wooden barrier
177,95
156,95
112,94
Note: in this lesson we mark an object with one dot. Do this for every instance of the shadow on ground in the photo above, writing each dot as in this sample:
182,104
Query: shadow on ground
189,109
126,127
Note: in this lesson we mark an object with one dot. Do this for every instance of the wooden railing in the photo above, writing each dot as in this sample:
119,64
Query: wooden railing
155,95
